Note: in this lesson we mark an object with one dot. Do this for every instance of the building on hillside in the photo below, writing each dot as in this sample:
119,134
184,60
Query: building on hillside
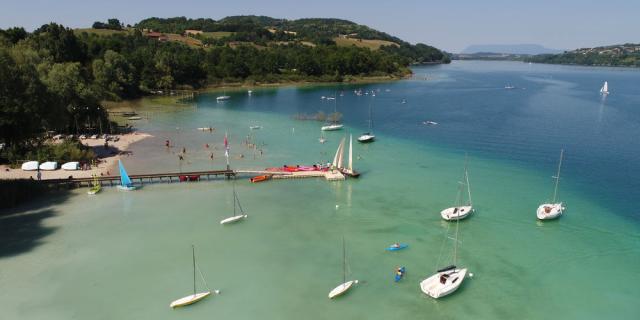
156,35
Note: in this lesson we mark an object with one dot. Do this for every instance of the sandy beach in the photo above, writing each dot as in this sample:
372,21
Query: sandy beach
108,159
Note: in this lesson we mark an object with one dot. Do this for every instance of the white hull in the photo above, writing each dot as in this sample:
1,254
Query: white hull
456,213
549,211
233,219
341,289
123,188
332,127
366,138
93,191
434,287
190,299
205,129
223,98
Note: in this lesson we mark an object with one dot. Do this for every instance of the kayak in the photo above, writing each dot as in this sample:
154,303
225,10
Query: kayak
400,273
396,248
260,178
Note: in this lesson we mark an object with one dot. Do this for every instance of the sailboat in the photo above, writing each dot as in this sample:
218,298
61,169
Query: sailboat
460,211
223,97
346,285
554,209
368,136
334,125
336,164
235,217
349,170
196,296
95,188
605,88
125,181
446,280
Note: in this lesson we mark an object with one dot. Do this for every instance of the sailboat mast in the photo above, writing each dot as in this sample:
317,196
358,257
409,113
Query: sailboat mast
193,250
555,189
466,177
344,261
351,153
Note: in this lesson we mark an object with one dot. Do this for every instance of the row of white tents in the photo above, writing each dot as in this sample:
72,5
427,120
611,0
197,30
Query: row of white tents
50,166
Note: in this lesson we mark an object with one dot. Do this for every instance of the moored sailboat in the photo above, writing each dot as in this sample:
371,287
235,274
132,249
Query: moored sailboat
448,279
460,211
334,125
196,296
96,187
349,169
554,209
346,285
368,136
236,204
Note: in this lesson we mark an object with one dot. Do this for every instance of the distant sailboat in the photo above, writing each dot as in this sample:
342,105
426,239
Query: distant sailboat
554,209
448,279
346,285
195,297
460,211
236,203
605,88
223,97
125,181
334,124
368,136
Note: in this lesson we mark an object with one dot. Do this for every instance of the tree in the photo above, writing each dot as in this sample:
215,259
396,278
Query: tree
115,76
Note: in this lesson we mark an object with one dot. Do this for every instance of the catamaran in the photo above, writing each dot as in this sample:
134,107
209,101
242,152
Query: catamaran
346,285
460,211
605,88
125,181
196,296
554,209
236,203
368,136
96,187
334,125
448,279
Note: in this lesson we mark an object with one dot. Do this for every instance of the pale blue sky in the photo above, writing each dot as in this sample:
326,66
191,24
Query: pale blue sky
449,25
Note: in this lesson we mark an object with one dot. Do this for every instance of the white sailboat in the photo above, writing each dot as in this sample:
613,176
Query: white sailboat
368,136
460,211
547,211
349,169
346,285
196,296
223,97
235,217
334,125
605,88
336,164
446,280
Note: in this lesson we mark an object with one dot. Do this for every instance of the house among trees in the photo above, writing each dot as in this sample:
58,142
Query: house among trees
156,35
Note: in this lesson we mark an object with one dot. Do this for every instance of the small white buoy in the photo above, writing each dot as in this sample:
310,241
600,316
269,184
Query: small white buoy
470,275
217,291
337,206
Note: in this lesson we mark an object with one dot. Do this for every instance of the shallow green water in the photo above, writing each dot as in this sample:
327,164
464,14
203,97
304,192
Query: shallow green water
127,255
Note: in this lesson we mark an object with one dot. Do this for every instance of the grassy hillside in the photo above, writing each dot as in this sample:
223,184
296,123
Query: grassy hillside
363,43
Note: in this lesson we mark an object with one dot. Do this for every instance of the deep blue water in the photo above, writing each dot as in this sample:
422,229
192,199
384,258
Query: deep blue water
551,108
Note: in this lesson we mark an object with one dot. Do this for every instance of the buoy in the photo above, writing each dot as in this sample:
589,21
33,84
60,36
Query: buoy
470,275
337,206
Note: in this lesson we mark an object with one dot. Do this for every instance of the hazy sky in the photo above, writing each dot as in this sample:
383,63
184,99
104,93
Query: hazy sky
449,25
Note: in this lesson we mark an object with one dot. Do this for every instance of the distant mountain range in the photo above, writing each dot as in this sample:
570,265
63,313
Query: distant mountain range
530,49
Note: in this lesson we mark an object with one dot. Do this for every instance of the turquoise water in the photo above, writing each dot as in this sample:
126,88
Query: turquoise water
127,255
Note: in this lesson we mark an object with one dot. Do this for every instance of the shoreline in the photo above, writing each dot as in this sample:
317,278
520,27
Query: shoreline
107,164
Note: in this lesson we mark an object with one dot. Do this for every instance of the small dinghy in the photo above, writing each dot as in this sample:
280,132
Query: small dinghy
400,273
196,296
236,203
397,246
125,181
346,285
261,178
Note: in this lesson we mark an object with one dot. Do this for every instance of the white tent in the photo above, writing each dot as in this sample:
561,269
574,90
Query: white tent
71,166
30,166
49,165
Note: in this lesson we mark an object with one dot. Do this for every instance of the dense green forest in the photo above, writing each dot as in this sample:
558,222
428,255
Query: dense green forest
627,55
54,79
